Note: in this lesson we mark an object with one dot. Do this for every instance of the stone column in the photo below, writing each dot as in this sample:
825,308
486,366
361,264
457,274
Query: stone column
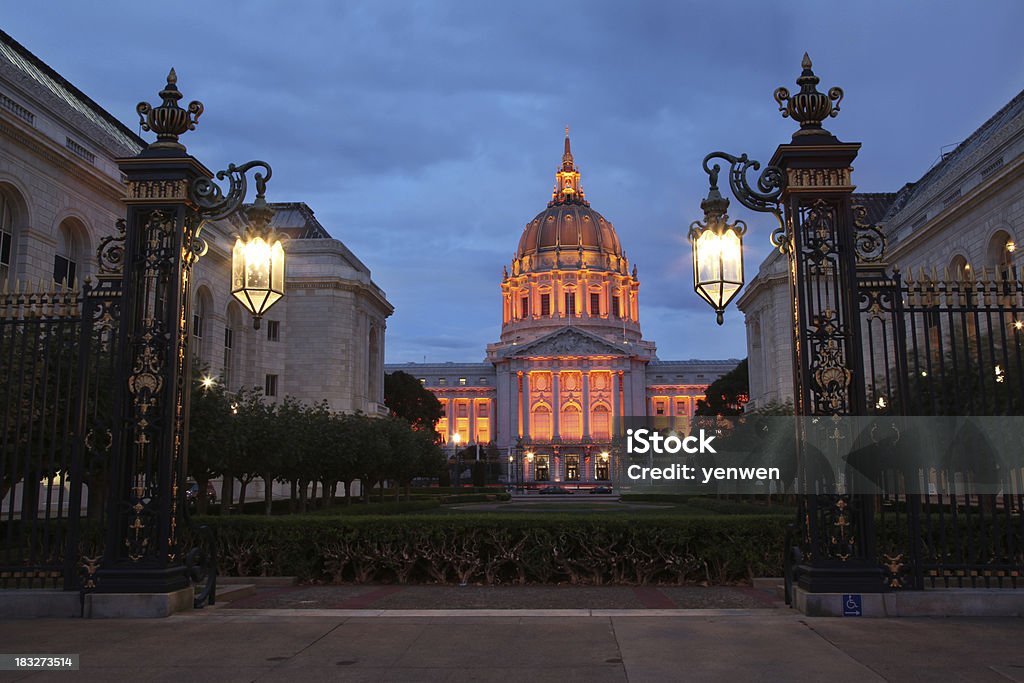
472,420
525,392
586,405
556,410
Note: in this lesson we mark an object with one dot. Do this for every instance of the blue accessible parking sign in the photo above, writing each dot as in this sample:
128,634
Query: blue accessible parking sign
852,606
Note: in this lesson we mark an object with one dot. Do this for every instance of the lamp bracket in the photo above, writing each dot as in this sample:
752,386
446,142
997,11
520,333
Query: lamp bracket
765,199
214,203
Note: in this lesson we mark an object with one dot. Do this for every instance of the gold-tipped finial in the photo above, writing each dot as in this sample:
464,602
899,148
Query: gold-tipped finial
809,107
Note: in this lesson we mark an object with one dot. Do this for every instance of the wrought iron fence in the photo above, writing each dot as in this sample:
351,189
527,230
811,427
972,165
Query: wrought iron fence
56,370
947,345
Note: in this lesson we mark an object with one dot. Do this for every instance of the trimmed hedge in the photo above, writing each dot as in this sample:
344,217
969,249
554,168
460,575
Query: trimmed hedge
387,508
477,498
502,549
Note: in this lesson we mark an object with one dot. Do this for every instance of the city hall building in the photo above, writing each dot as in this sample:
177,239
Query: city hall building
571,357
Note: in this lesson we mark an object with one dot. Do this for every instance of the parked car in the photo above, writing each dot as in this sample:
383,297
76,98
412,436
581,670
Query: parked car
601,489
555,490
192,493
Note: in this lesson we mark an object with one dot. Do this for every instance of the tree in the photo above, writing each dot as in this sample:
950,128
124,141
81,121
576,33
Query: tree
405,397
726,395
208,432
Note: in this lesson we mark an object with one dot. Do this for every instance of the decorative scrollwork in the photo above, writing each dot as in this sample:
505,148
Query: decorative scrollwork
765,199
895,573
110,253
869,240
214,203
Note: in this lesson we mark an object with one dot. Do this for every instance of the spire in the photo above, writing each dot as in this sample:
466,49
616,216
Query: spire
568,189
567,162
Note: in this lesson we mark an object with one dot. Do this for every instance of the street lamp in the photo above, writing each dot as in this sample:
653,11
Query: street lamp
257,260
169,196
807,186
717,250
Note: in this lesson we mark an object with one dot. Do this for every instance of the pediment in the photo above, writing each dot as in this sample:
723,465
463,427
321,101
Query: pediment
569,343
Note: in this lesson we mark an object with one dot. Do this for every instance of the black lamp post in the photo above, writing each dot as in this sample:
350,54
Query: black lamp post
170,195
807,186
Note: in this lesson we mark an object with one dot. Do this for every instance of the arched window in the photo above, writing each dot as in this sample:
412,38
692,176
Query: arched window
71,247
6,236
541,421
958,267
1000,254
200,324
570,426
600,423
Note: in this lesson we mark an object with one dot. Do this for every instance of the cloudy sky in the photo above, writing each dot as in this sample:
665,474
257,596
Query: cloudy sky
426,134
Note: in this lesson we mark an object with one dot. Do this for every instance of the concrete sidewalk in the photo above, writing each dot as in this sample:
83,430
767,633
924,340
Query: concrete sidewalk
277,645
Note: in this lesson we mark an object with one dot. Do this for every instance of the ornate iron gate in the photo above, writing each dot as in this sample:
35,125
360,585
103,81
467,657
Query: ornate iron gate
949,345
57,352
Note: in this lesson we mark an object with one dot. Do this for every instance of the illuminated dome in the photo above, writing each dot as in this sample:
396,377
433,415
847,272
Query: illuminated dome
568,224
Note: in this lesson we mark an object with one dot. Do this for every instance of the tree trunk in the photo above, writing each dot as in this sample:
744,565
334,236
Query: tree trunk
241,494
347,488
268,496
293,496
312,493
382,483
227,493
303,490
202,502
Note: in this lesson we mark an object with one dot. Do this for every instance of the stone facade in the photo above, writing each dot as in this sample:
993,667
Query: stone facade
61,192
965,215
571,358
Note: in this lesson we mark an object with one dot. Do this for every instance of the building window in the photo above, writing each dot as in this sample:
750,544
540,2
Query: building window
572,468
461,410
570,303
462,381
616,309
600,423
602,468
681,410
6,237
229,343
481,409
273,330
197,322
65,261
64,270
543,472
423,381
524,307
569,426
541,423
659,407
595,303
271,385
442,381
545,304
483,380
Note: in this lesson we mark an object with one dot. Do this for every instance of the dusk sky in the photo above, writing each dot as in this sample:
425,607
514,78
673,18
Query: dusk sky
425,135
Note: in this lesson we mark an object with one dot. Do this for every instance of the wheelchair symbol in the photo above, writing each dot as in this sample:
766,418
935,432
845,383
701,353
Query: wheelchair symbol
852,606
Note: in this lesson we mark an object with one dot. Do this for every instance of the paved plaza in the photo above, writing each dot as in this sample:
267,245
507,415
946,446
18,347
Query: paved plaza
286,643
